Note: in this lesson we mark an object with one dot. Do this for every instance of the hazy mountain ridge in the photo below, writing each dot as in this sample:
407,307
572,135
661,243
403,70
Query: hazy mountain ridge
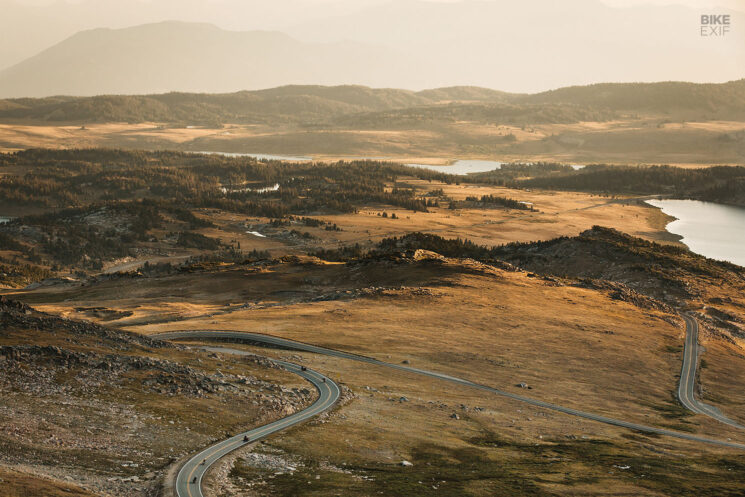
360,105
411,44
176,56
296,103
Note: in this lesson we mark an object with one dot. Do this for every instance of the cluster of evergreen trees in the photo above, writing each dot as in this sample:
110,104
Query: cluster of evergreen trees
456,247
508,173
102,204
724,184
71,178
491,201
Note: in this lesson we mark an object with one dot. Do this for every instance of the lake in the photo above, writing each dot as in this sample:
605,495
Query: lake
288,158
265,189
714,230
461,167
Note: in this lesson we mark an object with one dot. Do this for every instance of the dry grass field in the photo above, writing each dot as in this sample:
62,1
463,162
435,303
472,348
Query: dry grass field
557,214
17,484
473,324
626,141
571,343
572,346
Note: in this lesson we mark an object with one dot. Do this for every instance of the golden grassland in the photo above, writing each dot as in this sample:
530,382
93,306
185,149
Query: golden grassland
617,141
496,447
557,214
573,346
18,484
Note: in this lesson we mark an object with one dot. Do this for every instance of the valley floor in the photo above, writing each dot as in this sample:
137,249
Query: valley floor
626,141
541,302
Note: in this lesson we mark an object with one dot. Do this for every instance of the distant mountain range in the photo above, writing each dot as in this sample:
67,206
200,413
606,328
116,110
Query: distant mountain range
414,44
177,56
361,106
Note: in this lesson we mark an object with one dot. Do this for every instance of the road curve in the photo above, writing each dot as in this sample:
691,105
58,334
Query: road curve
686,392
259,339
189,479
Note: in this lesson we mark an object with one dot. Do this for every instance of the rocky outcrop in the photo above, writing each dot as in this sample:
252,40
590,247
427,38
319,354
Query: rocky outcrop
663,272
619,291
15,314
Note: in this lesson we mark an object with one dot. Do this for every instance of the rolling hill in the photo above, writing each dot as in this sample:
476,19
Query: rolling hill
726,100
282,104
355,105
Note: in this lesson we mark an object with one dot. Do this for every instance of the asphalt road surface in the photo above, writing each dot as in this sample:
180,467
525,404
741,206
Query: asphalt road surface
259,339
687,383
189,479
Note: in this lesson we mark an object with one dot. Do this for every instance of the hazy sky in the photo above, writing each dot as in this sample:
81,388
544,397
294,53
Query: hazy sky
553,42
732,4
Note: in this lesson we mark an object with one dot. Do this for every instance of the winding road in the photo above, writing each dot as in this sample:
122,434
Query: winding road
259,339
189,479
687,384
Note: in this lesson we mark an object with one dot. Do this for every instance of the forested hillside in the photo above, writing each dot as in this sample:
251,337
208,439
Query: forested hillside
725,101
354,105
718,184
